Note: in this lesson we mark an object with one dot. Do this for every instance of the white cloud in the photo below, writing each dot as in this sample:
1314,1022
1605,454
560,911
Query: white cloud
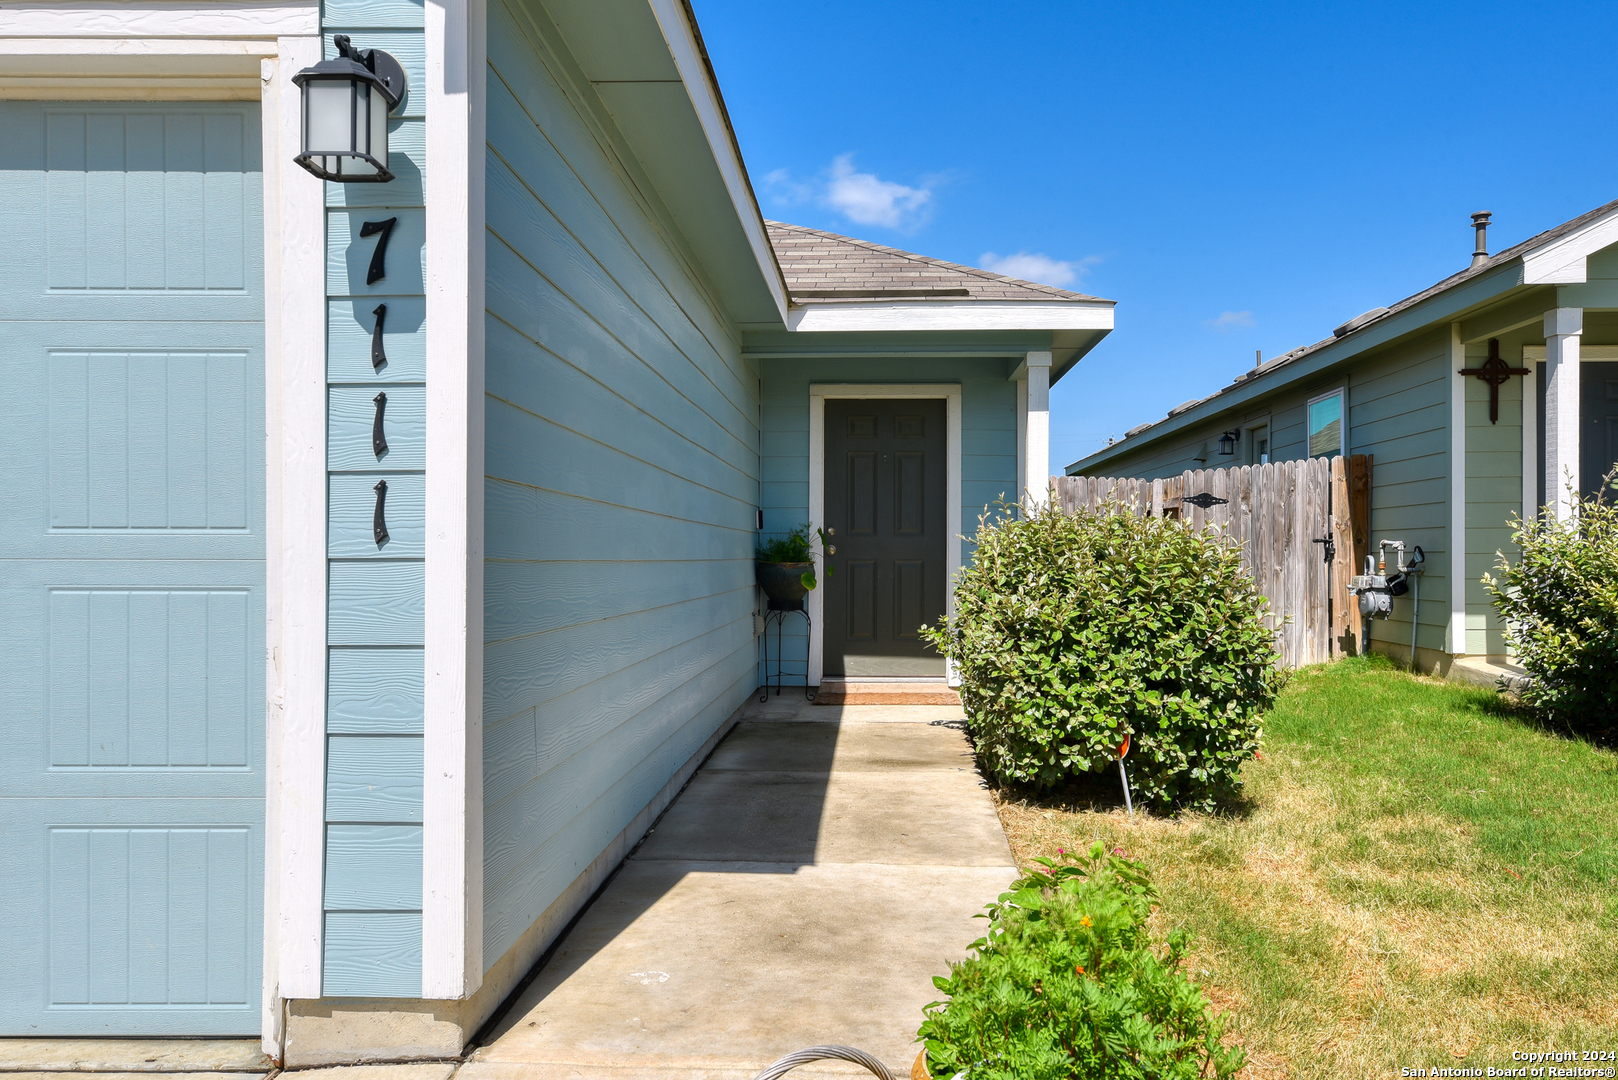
861,197
869,200
1230,320
1037,266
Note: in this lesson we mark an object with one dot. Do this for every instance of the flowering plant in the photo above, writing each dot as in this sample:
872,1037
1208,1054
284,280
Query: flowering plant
1066,983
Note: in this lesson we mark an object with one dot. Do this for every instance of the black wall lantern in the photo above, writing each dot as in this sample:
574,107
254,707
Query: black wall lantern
346,102
1227,443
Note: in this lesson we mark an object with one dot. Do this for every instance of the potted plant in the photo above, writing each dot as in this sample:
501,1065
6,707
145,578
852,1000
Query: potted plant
784,565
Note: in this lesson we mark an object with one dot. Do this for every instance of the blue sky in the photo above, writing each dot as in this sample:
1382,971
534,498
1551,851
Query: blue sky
1236,177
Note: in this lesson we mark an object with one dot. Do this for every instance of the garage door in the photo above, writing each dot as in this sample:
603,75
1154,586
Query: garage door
131,568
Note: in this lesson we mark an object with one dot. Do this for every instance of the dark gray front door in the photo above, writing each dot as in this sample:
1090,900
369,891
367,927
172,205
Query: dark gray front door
1598,415
885,484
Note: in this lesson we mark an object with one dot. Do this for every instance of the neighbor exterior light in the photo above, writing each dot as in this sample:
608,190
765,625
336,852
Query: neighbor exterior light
346,102
1227,443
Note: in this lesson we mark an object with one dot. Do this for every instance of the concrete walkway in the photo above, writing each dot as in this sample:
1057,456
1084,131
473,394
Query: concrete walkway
805,888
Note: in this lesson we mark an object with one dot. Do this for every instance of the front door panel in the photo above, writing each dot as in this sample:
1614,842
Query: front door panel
885,485
1598,414
131,569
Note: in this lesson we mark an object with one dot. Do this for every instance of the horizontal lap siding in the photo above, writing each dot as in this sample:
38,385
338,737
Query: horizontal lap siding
622,475
376,592
988,444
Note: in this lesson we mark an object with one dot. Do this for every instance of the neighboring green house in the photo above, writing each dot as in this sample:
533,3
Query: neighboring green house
1452,462
378,556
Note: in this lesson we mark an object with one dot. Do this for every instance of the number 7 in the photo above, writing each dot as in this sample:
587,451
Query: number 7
378,269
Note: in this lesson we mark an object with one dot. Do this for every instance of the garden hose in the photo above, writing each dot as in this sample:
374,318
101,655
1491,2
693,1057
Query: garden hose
823,1053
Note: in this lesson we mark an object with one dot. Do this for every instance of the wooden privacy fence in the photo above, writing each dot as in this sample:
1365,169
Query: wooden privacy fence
1276,512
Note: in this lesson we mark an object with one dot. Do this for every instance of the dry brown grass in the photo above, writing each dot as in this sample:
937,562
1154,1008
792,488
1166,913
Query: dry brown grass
1351,928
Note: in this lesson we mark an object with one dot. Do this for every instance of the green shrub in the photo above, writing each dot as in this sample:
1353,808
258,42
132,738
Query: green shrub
1072,631
1066,984
1559,602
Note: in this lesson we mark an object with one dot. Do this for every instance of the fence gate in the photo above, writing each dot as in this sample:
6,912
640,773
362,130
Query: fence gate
1276,512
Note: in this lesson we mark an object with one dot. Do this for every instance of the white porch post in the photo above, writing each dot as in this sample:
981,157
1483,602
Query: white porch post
1563,328
1036,456
1459,577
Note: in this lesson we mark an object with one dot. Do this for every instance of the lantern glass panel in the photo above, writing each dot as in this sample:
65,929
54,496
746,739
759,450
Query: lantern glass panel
379,125
329,112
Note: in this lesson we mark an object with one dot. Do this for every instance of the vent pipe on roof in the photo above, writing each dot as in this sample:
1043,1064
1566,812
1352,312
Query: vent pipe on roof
1480,222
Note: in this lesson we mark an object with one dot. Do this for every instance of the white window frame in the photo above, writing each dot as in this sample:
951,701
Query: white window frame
1341,394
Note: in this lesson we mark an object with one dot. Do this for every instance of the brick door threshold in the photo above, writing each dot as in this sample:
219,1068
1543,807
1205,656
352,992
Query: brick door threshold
899,692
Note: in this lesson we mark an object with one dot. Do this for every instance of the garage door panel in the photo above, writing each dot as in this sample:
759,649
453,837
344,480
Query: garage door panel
131,569
132,212
132,917
133,691
149,445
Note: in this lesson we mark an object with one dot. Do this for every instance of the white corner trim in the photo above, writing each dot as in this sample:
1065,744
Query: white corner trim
860,316
274,683
1458,576
452,808
1022,422
300,795
1035,396
153,18
694,72
1562,261
818,395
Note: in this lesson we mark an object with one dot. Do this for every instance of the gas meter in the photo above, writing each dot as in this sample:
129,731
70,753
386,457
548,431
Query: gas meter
1376,588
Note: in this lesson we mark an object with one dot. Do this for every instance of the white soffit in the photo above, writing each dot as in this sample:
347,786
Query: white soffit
157,19
1561,262
901,315
682,42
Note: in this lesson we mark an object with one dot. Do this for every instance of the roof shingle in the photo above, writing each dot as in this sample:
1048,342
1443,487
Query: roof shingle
822,267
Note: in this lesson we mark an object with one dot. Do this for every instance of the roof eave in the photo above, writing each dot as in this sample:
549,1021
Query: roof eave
680,29
1445,306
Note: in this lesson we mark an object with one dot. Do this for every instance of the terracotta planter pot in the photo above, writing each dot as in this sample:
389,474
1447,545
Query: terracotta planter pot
918,1071
782,581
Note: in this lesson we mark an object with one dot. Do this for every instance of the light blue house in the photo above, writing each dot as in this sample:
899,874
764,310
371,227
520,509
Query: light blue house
1491,393
378,556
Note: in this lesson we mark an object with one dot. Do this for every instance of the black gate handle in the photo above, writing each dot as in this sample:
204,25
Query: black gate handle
379,266
379,523
379,441
378,357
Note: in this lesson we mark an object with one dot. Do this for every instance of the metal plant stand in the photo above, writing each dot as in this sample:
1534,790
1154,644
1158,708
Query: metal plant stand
777,613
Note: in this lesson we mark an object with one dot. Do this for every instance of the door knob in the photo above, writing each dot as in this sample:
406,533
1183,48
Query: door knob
832,550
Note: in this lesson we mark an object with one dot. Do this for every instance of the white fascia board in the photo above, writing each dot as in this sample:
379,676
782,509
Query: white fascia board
674,18
901,315
153,18
1561,262
1442,308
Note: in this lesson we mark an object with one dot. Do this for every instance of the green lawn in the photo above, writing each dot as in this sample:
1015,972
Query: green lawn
1418,878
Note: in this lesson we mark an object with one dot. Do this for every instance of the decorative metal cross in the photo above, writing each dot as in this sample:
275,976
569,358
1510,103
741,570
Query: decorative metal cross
1494,372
